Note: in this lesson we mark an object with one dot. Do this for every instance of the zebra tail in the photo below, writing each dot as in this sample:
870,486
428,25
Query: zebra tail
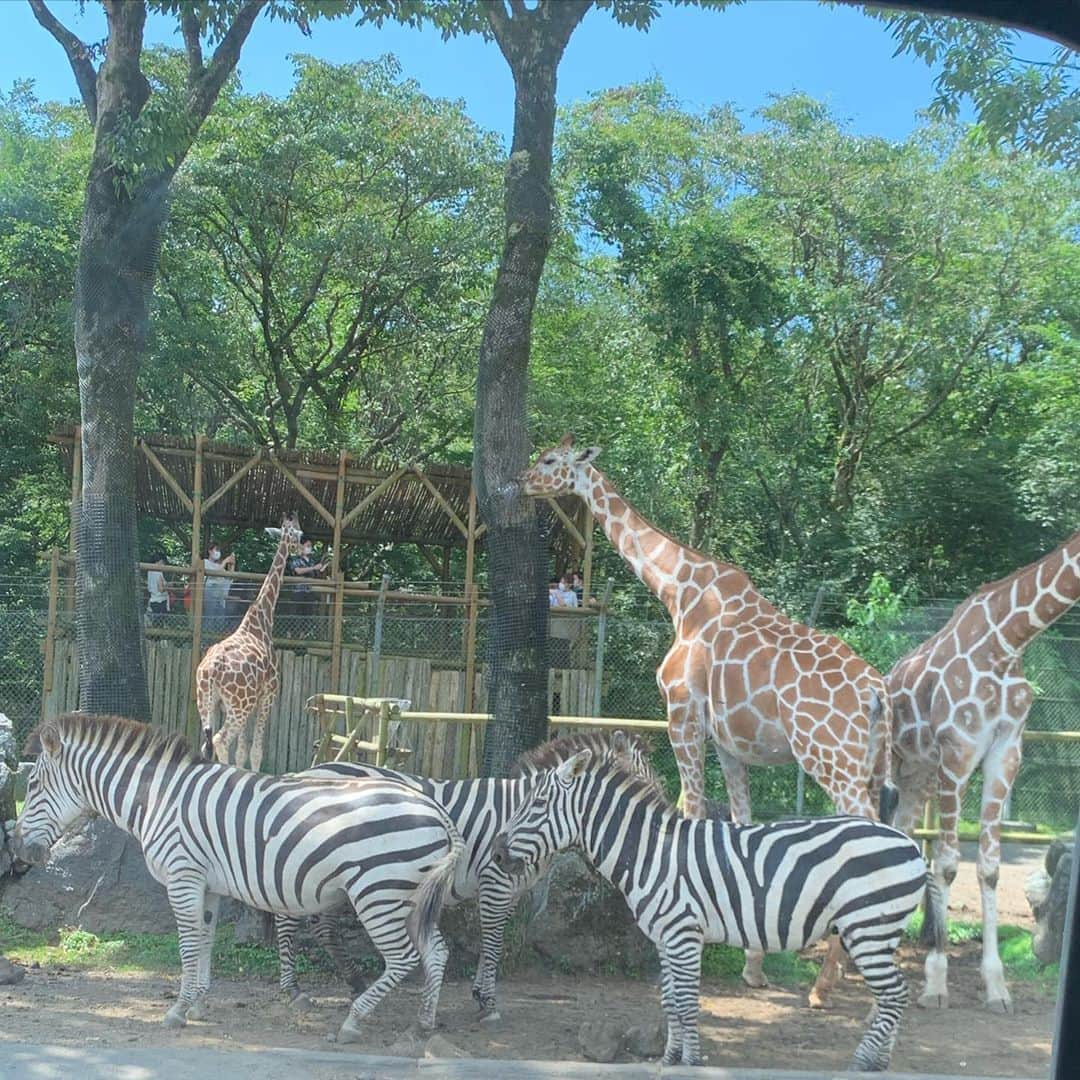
934,930
432,891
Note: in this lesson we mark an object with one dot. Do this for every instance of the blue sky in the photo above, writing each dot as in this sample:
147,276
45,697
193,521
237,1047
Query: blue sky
740,55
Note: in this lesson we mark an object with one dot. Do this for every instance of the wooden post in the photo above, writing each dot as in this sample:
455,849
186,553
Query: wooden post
338,611
50,626
472,609
73,512
384,733
601,636
375,676
586,567
198,584
800,779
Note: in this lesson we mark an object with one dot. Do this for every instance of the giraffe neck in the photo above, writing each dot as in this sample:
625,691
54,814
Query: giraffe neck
648,551
259,618
1026,603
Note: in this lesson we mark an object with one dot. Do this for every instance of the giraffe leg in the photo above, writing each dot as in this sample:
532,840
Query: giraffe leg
262,712
738,792
999,770
953,774
687,735
231,727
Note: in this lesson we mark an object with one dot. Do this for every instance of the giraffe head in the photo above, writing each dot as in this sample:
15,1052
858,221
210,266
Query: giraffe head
560,470
289,534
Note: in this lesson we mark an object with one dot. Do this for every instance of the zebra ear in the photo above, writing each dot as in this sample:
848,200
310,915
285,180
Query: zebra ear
620,743
573,767
45,740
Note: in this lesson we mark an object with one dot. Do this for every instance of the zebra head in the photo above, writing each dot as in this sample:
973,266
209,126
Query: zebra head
53,801
549,819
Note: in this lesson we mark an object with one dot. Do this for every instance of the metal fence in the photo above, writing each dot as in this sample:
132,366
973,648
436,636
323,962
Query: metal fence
604,659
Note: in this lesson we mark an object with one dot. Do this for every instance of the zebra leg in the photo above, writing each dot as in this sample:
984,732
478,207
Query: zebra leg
496,900
286,927
434,963
187,898
684,961
673,1048
874,957
198,1010
399,957
328,932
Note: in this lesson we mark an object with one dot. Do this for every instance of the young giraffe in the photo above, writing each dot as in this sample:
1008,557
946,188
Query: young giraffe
766,690
240,673
960,700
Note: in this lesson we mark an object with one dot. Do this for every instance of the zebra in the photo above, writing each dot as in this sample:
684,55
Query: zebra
479,809
771,887
291,845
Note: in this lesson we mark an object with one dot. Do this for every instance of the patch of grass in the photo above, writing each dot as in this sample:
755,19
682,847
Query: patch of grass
1014,945
84,951
783,969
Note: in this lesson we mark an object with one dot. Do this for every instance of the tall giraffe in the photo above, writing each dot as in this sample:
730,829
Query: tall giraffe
960,700
239,672
765,689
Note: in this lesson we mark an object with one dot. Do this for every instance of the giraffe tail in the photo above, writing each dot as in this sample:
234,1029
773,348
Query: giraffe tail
934,928
880,716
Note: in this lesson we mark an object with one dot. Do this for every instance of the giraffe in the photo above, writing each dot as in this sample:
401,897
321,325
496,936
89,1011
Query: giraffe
765,689
239,672
960,700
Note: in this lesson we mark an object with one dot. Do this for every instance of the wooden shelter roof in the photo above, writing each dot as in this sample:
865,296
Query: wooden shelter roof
248,487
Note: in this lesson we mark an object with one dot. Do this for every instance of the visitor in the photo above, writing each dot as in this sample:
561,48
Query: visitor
567,597
216,589
302,598
159,604
553,593
579,588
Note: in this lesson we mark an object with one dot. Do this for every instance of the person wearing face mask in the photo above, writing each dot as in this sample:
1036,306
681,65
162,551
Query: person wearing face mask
303,599
216,589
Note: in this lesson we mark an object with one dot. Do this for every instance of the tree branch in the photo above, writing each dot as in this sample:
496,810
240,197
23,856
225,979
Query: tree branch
207,87
189,26
78,54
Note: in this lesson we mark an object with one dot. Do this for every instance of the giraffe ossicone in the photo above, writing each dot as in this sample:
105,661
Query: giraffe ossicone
239,673
764,689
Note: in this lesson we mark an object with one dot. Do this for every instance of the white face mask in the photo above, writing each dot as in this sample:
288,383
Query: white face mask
215,554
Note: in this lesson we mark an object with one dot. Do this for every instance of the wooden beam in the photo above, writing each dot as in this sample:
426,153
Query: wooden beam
73,509
586,569
437,495
174,485
472,609
198,582
571,528
235,478
50,627
372,495
311,500
338,611
432,560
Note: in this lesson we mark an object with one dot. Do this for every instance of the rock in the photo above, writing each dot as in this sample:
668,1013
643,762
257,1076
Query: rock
9,767
439,1047
647,1040
600,1040
22,776
407,1045
9,750
252,927
10,974
1048,893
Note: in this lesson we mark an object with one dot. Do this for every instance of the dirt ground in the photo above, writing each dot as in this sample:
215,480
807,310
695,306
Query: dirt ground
541,1017
542,1014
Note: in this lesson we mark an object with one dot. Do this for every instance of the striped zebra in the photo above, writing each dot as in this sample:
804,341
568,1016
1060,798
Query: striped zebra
479,809
770,887
291,845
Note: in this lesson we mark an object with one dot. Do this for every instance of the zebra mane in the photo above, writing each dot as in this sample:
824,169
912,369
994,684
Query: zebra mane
135,737
554,752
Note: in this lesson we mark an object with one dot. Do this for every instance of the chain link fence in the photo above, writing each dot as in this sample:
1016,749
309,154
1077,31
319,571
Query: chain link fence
419,641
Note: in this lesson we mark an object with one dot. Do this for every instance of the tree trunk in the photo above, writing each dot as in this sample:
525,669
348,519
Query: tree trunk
517,656
117,253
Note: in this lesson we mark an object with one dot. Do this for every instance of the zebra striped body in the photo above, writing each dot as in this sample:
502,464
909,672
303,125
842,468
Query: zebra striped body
770,887
294,845
479,809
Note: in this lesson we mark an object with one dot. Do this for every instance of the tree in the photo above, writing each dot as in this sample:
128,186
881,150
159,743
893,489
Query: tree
142,133
346,233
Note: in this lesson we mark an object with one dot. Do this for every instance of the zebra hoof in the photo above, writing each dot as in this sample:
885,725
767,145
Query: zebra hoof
198,1011
999,1005
349,1032
174,1018
490,1015
816,999
357,984
755,978
928,1000
300,1002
